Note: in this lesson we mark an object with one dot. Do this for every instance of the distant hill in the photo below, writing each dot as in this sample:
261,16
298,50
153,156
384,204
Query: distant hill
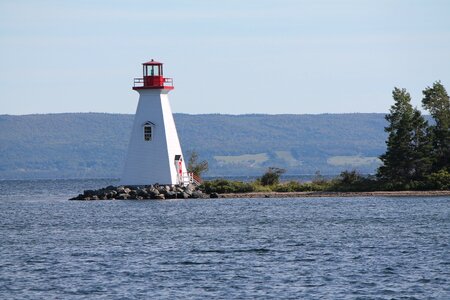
93,145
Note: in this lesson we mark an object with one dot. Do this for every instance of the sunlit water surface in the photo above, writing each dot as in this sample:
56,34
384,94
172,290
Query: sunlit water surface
302,248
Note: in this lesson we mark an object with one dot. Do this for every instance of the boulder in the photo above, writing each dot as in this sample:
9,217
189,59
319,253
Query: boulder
197,194
171,195
161,189
110,188
154,194
142,193
111,195
79,197
189,188
160,197
185,195
89,193
122,196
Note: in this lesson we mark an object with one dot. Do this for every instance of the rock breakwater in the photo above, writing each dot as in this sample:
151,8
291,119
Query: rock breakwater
156,192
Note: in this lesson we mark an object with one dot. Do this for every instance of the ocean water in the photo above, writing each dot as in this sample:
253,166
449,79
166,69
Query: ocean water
302,248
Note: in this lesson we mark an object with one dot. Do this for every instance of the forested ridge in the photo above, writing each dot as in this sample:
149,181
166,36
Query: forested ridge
93,145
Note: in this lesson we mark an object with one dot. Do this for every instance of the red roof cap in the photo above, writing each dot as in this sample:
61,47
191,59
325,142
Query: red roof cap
152,62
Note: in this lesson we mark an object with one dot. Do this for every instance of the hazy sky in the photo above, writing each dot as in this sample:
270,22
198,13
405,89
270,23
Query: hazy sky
233,56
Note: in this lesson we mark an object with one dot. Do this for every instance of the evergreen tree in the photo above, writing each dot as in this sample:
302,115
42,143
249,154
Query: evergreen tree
436,101
422,146
406,157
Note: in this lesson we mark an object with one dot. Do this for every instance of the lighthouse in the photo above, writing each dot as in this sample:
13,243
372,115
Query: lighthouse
154,152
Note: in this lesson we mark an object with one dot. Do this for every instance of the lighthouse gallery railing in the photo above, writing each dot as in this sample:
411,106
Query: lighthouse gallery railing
139,82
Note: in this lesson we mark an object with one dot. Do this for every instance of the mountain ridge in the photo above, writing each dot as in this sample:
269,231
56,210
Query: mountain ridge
93,145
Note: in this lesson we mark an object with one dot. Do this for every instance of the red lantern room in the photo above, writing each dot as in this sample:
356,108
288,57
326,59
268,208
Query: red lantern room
152,77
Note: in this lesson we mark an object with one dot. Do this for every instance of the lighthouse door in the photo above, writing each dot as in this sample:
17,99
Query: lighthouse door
179,168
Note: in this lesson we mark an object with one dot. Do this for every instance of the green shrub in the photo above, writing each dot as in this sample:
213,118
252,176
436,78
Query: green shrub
350,177
257,187
352,181
294,186
320,186
272,176
291,186
439,180
223,186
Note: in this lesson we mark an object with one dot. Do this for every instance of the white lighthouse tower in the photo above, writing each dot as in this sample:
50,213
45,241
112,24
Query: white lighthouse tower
154,153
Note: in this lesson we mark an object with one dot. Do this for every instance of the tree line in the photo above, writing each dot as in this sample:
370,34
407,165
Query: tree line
418,153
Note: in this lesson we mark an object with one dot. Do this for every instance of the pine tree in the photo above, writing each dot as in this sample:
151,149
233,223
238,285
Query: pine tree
436,101
406,157
422,146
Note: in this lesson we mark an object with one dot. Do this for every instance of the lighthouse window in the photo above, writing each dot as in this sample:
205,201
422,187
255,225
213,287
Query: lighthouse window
148,133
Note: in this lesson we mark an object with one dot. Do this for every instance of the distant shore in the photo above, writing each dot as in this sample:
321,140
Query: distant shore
336,194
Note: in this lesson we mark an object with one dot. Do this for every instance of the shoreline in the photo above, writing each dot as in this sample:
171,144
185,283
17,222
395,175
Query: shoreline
436,193
162,192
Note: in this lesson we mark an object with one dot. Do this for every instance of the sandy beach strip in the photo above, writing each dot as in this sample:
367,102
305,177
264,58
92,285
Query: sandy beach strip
337,194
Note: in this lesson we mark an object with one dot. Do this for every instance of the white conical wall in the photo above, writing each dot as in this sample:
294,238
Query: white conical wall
150,162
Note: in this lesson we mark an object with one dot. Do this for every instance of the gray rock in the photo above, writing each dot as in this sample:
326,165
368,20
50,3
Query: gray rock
122,196
79,197
161,190
89,193
180,195
154,194
160,197
189,188
197,194
214,195
171,195
142,193
111,194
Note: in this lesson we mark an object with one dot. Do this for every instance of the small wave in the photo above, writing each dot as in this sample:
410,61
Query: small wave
188,262
223,251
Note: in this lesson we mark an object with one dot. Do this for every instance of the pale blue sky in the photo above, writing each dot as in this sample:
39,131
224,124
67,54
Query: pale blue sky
255,56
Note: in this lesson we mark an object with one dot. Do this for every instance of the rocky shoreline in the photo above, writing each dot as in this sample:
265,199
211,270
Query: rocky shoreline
162,192
155,192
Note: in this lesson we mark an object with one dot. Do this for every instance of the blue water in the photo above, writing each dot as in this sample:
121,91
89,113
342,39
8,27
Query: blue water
303,248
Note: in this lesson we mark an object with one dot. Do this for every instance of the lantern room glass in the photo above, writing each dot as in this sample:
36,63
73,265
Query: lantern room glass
152,70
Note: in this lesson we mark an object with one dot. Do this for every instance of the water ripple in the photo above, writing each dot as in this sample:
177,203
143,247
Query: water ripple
327,248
